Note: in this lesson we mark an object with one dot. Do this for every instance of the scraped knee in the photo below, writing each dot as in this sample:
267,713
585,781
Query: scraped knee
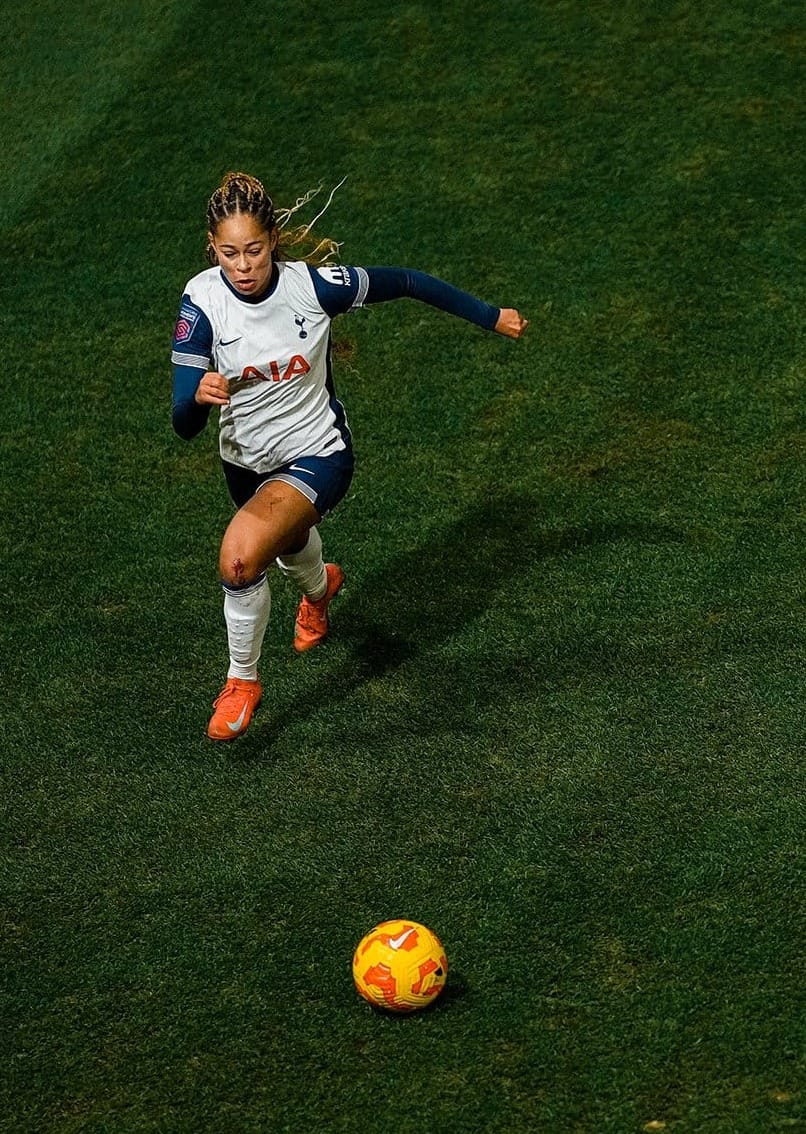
237,570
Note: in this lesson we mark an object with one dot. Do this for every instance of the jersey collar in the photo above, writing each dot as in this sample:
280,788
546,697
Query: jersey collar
254,299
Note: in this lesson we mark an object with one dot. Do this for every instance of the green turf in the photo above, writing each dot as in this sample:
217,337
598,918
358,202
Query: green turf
560,719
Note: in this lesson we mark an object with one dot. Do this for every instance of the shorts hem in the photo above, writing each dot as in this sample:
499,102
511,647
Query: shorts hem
300,486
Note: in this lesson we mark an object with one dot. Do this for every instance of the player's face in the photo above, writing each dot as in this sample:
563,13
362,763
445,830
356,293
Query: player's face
244,251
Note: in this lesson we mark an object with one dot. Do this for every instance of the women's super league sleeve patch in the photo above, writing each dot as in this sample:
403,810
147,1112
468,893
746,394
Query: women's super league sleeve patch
185,324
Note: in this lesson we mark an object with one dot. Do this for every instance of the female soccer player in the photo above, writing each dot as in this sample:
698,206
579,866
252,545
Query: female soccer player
253,338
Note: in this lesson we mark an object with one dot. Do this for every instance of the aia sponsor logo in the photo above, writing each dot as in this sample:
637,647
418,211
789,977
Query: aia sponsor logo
276,372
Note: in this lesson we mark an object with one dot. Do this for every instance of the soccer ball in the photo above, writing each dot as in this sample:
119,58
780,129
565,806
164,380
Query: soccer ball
400,965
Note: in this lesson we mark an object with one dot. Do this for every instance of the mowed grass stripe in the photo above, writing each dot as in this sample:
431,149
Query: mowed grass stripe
64,69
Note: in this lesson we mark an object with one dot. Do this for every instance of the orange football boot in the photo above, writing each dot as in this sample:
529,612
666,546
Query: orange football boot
312,625
234,708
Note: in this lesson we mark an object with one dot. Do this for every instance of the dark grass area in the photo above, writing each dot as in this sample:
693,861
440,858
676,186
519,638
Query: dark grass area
560,718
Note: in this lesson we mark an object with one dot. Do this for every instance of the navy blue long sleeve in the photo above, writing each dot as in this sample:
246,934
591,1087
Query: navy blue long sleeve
188,417
407,283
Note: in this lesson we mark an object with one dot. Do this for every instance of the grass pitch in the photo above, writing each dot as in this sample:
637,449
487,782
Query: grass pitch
560,719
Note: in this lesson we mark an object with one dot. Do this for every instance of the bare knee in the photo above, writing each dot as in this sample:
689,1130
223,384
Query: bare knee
274,522
237,569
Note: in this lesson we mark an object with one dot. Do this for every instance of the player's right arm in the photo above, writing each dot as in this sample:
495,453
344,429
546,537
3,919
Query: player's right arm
213,389
196,389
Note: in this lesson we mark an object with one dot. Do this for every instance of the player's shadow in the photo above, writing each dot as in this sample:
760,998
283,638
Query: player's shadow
431,593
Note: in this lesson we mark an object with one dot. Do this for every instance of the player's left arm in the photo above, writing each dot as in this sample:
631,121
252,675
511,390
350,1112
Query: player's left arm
511,323
400,283
341,289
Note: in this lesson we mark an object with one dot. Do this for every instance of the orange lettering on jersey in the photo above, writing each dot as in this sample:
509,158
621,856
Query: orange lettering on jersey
252,372
297,365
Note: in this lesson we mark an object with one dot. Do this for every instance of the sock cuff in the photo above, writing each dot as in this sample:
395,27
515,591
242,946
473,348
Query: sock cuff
311,553
246,589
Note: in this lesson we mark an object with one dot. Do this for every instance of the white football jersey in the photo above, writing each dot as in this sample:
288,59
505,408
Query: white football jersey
275,351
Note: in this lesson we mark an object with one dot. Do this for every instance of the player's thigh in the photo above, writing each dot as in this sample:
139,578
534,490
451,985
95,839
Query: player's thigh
275,521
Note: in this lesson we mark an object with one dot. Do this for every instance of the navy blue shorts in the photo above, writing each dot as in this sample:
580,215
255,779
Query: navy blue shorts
324,480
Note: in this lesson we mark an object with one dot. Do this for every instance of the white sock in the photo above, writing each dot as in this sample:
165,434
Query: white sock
306,569
246,613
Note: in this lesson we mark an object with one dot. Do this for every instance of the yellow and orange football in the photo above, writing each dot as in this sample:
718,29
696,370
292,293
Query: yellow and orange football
400,965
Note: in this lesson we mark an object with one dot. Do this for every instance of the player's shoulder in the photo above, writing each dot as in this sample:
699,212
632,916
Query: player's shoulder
337,275
203,285
293,273
330,287
328,275
339,287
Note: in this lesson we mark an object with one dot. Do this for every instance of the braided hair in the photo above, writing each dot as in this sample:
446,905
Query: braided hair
243,193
